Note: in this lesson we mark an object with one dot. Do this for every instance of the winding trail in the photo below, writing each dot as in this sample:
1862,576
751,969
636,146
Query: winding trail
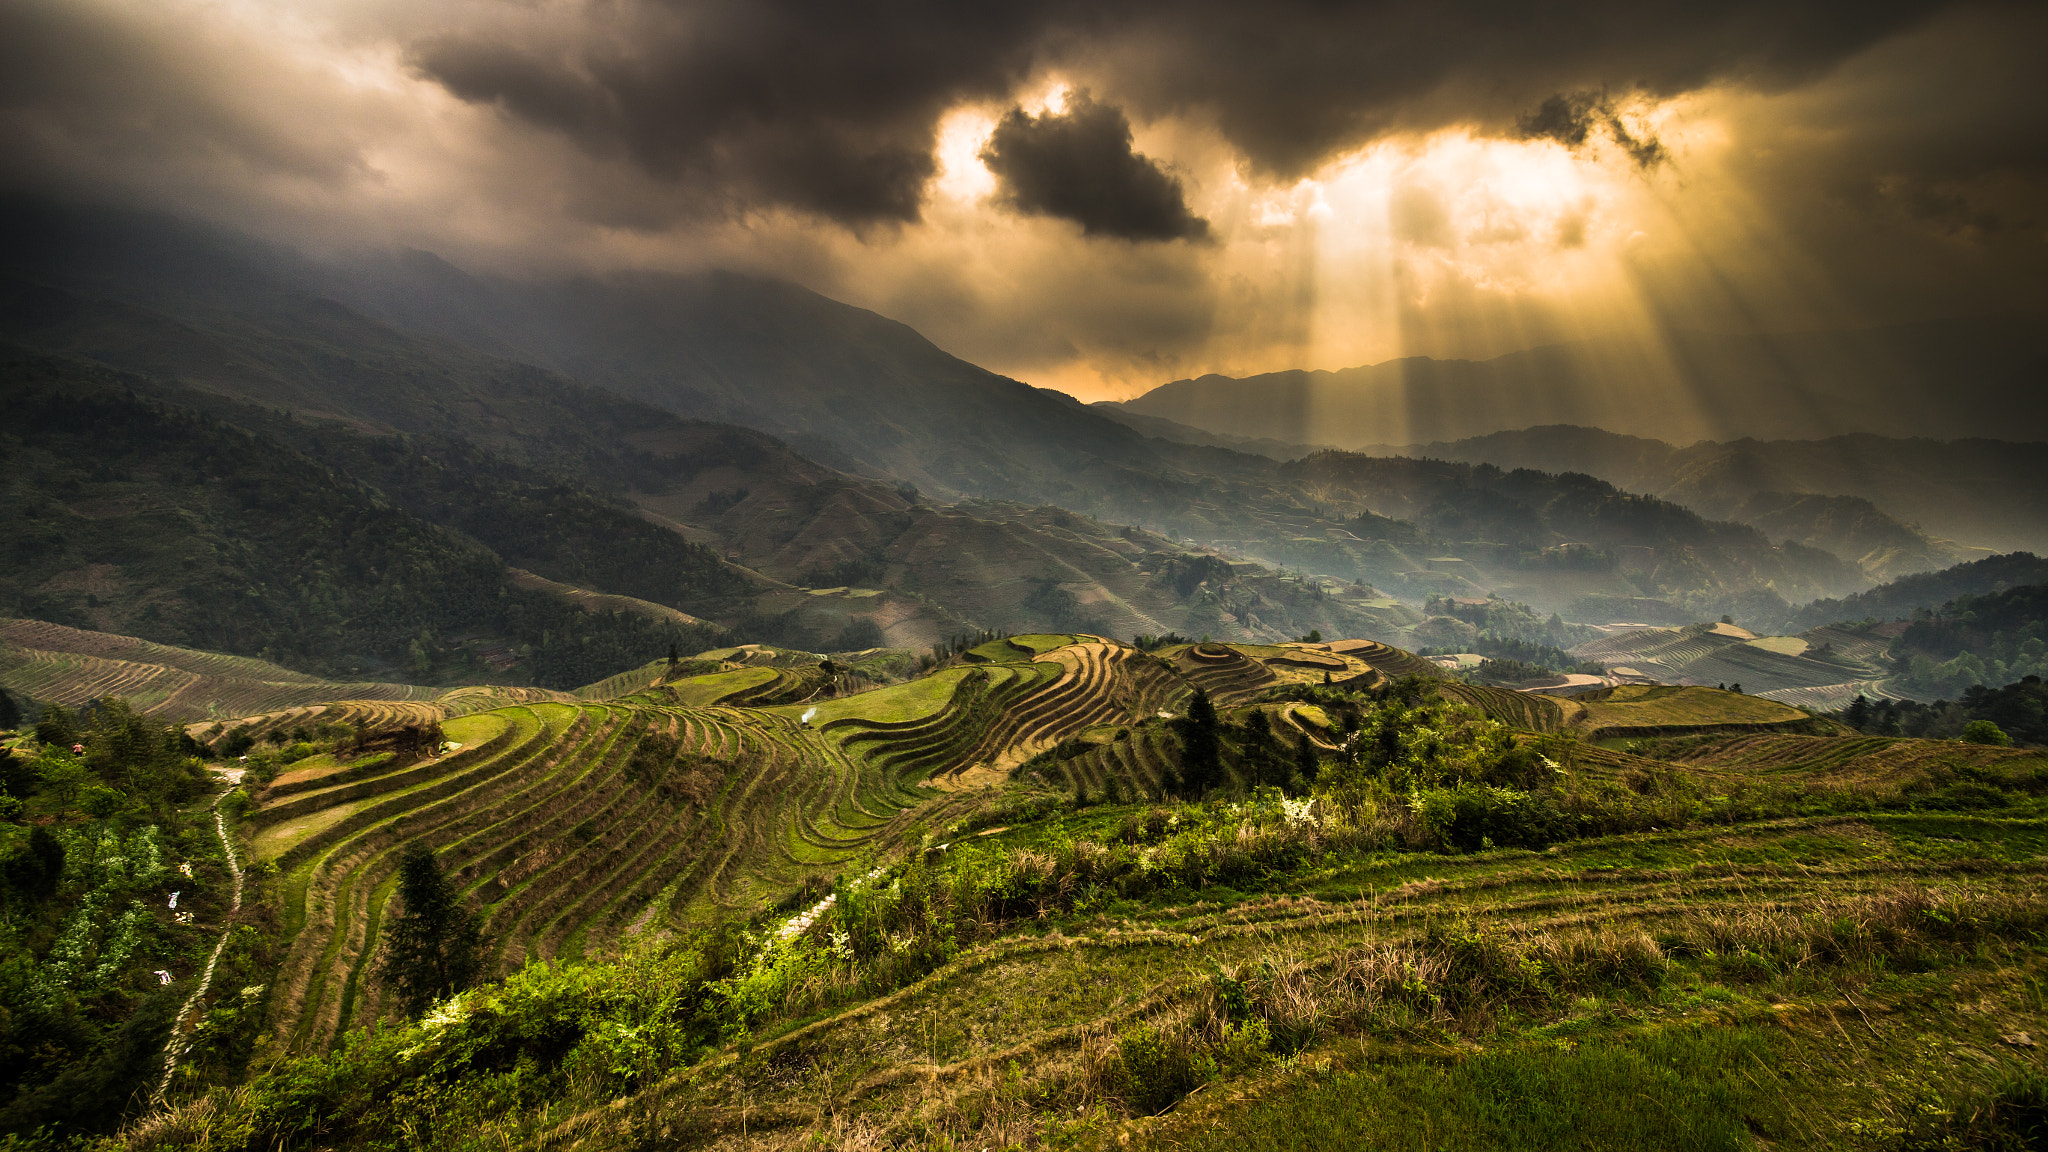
220,828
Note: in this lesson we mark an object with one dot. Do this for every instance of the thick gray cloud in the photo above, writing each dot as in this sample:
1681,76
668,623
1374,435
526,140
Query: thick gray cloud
825,107
1078,164
830,107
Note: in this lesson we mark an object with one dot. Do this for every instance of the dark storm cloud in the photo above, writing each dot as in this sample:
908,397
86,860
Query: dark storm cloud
830,107
822,106
1573,119
1078,165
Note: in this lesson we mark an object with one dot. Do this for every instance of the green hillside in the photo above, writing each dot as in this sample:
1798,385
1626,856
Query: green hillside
124,514
1015,902
1901,598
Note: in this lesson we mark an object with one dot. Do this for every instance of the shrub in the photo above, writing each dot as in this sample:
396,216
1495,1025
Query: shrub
1985,732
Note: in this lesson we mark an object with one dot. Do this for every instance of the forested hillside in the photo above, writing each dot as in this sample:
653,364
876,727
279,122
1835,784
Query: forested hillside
1901,598
1554,538
1990,640
1972,492
126,514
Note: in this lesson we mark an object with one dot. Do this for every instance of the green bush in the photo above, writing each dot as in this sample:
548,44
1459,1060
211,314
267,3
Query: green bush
1156,1067
1985,732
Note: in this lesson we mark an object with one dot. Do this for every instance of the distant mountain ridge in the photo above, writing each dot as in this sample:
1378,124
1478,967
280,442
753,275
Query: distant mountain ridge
1979,493
1954,379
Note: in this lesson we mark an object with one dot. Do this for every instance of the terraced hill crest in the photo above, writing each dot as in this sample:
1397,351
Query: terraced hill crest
579,824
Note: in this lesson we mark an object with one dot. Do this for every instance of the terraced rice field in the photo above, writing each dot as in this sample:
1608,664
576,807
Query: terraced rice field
974,1049
1646,710
565,844
576,824
1859,760
71,667
1518,709
378,715
46,637
1821,659
1831,697
72,679
1847,644
569,848
1385,659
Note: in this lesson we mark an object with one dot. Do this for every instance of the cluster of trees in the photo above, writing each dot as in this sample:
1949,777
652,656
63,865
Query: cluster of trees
107,758
531,519
860,571
1902,598
1524,512
2016,713
1145,642
1974,640
1504,622
1510,653
1186,573
960,642
1062,610
1511,672
859,634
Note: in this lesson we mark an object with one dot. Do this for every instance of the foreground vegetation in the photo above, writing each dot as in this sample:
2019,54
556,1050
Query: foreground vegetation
1200,895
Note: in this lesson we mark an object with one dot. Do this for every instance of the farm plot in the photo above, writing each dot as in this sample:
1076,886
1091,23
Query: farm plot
47,637
1384,658
1831,697
576,825
1632,710
1222,670
1516,709
71,678
71,667
1765,669
571,827
1860,760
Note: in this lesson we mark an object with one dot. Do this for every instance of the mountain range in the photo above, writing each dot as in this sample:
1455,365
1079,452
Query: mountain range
838,475
1973,377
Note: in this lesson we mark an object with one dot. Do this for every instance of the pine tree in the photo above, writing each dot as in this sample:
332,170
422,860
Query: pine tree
436,945
10,712
1859,712
1305,760
1201,746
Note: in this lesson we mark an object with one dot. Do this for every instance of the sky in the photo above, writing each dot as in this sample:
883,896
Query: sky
1102,196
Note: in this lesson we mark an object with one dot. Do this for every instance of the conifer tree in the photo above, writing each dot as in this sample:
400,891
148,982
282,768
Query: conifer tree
1201,746
1859,712
436,945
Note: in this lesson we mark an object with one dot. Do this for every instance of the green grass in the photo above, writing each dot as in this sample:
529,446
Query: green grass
1668,706
1693,1087
703,691
1040,643
895,704
478,728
